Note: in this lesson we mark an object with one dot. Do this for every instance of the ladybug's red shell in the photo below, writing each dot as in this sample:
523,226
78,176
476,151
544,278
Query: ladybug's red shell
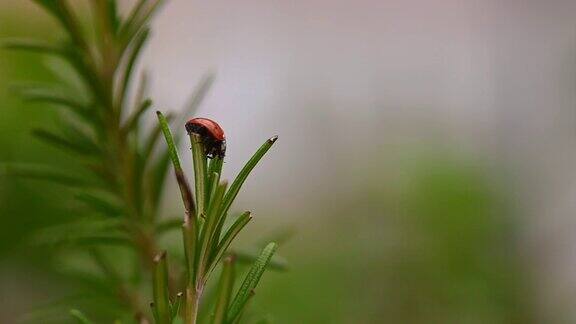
211,133
211,126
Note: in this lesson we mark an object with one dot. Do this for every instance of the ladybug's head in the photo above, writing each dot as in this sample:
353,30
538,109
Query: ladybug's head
211,134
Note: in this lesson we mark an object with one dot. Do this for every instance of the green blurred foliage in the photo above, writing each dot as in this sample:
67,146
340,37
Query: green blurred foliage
27,205
435,244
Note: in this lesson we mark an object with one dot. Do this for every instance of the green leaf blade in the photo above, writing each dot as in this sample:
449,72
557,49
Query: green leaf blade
277,263
207,234
160,289
64,143
243,175
175,306
80,317
214,172
185,190
250,282
199,159
136,49
32,45
42,172
225,287
172,151
137,20
240,179
136,116
232,232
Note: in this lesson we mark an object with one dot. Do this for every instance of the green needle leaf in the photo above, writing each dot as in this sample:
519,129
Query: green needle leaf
61,11
113,15
167,225
65,143
208,228
175,306
194,102
239,317
169,141
277,263
79,317
161,299
139,42
32,45
132,16
214,172
152,140
41,94
52,6
213,187
101,202
180,177
250,282
134,119
237,184
154,312
137,19
228,238
142,89
199,158
41,172
83,232
225,287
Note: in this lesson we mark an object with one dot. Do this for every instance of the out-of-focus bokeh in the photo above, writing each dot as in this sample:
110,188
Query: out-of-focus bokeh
425,162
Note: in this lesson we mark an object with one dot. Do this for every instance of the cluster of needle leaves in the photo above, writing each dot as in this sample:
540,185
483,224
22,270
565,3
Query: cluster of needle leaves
204,238
103,110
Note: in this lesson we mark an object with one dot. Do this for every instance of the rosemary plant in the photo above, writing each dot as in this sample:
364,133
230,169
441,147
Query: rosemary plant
205,242
126,171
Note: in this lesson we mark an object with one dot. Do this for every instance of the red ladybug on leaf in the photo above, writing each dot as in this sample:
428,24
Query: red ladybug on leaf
212,136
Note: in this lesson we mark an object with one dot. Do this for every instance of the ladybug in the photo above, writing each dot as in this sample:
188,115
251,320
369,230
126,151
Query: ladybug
212,136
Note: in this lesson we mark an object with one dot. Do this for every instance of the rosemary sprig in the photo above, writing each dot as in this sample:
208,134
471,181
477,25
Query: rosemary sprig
203,244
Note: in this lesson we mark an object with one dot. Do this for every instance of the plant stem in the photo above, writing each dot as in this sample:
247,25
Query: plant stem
193,296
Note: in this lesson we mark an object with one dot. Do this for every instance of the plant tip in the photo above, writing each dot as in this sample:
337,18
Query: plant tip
230,258
273,139
160,256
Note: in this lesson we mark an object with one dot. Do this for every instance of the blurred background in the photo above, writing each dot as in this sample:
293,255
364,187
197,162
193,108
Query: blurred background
425,162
